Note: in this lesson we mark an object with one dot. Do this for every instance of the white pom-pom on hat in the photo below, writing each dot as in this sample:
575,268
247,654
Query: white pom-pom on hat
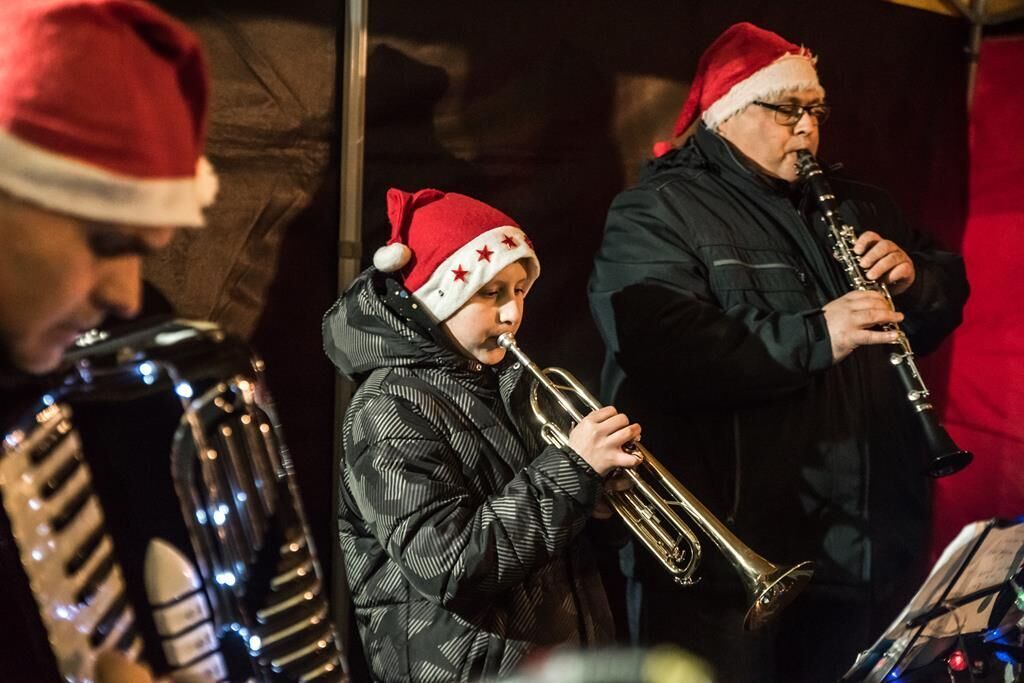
392,257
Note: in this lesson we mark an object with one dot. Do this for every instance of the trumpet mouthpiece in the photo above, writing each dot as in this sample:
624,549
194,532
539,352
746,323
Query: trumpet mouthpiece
507,340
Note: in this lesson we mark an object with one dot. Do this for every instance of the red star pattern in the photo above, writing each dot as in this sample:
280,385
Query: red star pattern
460,274
509,242
485,254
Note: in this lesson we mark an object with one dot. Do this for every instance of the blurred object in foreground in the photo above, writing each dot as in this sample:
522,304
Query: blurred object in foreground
662,664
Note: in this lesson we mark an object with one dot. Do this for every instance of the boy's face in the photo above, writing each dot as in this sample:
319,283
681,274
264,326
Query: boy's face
61,275
495,309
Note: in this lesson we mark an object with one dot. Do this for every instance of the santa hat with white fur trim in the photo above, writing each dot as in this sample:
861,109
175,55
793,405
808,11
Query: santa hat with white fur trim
744,64
448,246
103,112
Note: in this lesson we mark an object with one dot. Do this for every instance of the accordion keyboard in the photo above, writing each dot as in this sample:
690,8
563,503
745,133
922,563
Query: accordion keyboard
65,550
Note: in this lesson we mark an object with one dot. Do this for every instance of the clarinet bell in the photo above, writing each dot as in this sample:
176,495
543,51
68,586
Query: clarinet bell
946,457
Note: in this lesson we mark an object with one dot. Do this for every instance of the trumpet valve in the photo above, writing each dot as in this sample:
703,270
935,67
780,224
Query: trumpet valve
634,450
676,554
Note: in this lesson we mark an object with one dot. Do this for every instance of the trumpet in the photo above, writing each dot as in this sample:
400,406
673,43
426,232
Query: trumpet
648,507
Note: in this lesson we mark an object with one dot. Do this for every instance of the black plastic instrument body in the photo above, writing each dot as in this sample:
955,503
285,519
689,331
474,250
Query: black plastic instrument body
945,457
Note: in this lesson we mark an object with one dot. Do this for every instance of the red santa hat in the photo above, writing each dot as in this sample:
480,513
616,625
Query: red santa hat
449,245
744,64
103,111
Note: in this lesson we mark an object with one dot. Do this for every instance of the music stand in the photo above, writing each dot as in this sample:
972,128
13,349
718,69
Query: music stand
974,588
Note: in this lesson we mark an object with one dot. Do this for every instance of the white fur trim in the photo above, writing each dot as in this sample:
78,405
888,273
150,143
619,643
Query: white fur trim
66,185
207,182
391,257
788,72
443,294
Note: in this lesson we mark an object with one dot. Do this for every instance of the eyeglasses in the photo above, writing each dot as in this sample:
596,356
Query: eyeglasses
790,114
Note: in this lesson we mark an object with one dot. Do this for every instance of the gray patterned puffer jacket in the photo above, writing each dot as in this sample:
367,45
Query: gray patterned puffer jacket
461,533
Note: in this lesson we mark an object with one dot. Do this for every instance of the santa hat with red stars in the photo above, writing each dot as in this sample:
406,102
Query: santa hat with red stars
448,246
103,111
744,64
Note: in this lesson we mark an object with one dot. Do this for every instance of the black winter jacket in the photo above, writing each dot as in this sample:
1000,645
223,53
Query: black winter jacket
461,533
708,290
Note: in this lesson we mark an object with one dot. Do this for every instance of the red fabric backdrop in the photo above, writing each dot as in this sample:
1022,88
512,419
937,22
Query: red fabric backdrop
985,406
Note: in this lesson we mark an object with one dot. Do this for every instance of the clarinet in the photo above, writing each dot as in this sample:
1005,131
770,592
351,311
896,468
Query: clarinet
945,457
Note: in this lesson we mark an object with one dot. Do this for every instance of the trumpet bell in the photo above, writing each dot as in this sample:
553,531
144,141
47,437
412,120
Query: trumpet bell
774,591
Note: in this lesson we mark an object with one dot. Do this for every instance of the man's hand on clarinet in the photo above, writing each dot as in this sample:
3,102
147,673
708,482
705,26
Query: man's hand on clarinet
851,320
883,260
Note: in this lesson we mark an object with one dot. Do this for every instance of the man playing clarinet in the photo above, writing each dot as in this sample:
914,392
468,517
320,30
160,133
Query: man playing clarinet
733,336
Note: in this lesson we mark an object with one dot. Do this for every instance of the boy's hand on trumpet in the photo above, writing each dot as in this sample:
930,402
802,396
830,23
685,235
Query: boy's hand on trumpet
599,439
613,484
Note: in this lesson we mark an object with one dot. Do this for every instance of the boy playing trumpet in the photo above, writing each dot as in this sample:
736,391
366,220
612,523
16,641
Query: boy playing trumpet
461,531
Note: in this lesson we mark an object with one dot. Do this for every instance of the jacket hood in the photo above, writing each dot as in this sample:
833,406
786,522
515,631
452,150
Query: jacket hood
376,323
706,150
687,156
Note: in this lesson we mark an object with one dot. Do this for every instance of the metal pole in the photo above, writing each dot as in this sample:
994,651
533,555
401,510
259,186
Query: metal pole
977,17
350,221
353,128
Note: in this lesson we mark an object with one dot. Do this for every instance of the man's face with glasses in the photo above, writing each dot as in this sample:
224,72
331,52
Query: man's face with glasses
770,132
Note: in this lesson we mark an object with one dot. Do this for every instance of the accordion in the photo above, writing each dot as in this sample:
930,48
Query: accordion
149,507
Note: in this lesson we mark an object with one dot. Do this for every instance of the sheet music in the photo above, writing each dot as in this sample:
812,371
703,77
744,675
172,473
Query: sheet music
969,618
942,573
996,561
998,557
